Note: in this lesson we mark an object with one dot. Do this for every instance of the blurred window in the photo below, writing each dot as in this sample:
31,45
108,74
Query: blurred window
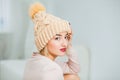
4,14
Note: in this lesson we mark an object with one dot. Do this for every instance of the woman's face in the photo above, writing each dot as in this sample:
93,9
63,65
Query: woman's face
57,46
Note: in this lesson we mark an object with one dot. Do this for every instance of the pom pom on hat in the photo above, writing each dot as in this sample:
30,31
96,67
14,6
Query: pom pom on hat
35,8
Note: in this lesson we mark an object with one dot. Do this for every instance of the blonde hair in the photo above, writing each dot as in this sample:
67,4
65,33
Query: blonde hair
44,51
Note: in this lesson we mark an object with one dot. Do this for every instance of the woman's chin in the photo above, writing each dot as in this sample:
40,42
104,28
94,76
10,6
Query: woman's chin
62,54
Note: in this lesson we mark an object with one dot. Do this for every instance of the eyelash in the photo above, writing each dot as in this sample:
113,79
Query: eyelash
57,38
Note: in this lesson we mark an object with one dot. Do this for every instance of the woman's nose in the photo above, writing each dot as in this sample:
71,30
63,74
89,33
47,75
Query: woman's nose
64,43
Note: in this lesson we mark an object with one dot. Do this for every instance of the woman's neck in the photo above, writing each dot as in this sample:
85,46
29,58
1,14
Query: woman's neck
52,57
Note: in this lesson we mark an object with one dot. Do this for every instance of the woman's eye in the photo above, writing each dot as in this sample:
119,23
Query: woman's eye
66,37
57,38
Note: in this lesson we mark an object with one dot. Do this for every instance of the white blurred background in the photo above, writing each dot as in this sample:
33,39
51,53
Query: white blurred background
95,23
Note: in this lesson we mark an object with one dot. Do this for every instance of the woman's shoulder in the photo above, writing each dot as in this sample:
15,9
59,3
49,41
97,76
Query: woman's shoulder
42,67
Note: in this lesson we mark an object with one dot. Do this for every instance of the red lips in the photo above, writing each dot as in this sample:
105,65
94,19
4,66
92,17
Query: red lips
63,49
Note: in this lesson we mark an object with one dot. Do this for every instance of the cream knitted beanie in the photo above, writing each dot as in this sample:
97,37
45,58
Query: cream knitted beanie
46,25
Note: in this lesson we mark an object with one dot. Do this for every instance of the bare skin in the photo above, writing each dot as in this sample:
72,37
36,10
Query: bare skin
71,77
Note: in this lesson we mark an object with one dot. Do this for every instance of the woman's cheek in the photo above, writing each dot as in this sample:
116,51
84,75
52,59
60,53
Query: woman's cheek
53,45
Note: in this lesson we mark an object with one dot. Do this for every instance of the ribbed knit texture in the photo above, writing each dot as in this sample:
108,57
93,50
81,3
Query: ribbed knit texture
47,26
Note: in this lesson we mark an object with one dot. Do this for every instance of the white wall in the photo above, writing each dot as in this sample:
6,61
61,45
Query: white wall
96,24
19,24
16,29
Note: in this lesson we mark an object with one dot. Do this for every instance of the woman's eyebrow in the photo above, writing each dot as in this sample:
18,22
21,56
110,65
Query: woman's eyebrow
61,35
58,35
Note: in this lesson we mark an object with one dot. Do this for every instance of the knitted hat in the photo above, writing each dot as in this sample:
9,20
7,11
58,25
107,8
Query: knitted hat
46,25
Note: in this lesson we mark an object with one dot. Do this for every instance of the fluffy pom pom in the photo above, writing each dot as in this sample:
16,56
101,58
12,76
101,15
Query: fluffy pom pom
36,7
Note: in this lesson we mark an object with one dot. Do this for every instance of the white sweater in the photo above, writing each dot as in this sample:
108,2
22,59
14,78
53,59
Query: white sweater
42,68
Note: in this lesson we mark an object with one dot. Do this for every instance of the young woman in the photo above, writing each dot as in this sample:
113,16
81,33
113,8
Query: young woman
52,38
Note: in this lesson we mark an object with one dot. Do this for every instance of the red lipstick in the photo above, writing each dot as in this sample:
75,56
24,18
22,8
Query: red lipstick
63,49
